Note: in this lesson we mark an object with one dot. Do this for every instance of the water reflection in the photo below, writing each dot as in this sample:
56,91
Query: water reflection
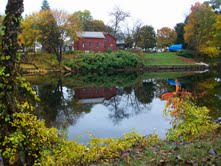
112,105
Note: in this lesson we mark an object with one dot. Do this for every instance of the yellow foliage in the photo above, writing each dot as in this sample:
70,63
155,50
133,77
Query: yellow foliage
190,121
199,30
211,51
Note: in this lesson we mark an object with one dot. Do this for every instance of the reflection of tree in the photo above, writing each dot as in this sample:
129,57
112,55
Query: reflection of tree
145,92
57,106
131,102
206,89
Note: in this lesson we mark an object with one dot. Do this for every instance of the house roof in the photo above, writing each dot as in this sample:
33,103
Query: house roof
86,34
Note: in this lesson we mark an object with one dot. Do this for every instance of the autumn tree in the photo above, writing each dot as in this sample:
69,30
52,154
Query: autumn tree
147,37
199,30
217,32
45,5
118,16
165,37
30,31
50,28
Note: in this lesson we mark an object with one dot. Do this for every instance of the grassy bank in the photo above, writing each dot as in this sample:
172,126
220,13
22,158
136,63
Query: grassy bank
165,58
102,61
205,151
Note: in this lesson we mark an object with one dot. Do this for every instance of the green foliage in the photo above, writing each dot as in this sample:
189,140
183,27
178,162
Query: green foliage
190,121
186,53
45,5
147,37
179,28
117,79
103,62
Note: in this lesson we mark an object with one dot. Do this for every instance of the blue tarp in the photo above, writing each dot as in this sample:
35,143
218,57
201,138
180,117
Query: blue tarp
172,82
176,47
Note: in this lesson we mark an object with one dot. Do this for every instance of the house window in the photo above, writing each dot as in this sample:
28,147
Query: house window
83,45
97,45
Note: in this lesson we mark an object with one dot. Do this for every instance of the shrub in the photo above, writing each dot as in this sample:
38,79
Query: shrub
104,62
186,53
189,121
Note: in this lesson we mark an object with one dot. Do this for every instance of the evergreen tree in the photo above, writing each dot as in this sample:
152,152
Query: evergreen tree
45,5
179,28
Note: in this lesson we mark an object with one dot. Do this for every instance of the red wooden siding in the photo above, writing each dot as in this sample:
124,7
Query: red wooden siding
96,44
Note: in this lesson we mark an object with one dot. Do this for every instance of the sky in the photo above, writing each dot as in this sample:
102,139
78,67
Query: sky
157,13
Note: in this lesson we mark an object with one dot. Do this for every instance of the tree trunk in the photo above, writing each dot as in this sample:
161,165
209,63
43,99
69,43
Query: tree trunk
8,62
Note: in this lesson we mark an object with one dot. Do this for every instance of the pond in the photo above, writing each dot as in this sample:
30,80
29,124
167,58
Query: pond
109,106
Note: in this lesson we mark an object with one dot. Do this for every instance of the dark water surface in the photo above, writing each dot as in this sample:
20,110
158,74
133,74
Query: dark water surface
109,106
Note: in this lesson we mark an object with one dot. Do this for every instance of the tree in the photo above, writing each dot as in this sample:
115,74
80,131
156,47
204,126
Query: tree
199,30
96,25
8,72
165,37
30,31
51,28
1,30
179,28
85,18
118,16
136,32
217,32
1,19
147,37
45,5
129,41
215,4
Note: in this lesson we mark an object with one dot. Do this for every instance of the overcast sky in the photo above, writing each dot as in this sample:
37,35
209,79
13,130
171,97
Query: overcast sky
157,13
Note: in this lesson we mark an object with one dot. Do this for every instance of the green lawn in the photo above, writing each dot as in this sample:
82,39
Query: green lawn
165,58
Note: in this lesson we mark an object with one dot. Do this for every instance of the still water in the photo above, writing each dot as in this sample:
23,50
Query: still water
109,106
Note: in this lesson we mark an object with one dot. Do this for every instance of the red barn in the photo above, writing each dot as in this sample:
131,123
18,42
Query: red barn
95,42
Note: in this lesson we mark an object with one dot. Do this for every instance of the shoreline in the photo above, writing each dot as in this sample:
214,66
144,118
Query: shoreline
152,68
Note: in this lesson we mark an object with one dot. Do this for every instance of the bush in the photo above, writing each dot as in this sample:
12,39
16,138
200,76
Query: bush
186,53
190,122
104,62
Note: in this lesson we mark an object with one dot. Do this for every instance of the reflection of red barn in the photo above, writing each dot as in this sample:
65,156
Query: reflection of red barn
95,95
95,41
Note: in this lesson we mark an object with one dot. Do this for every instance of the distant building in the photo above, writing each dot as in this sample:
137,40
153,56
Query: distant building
95,42
120,44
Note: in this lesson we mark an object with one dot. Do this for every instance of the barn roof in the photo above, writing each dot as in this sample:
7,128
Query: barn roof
86,34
